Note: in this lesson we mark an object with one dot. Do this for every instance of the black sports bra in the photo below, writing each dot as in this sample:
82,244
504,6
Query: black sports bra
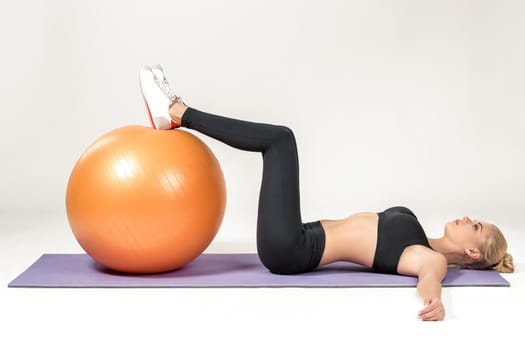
397,229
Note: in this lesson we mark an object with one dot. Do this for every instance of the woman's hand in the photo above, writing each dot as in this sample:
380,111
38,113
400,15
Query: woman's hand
433,310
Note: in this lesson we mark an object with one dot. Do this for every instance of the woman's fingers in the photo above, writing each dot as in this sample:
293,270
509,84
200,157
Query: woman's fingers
433,311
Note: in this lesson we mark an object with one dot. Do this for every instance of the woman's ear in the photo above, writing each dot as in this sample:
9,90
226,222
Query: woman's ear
472,254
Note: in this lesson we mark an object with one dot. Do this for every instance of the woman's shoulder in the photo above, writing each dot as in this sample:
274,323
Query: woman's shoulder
417,257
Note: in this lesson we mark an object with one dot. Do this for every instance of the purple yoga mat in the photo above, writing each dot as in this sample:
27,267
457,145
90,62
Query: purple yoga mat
226,270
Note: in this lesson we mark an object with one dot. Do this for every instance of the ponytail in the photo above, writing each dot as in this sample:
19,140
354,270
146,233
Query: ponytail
506,264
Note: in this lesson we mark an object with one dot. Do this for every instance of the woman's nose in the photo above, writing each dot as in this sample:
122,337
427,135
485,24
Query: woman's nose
466,219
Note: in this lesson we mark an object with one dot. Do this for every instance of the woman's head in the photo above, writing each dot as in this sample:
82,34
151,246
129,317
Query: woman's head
482,245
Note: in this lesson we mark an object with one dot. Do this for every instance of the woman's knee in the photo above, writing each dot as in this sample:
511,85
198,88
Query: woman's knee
282,132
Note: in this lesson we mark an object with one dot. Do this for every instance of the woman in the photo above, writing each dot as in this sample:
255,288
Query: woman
391,241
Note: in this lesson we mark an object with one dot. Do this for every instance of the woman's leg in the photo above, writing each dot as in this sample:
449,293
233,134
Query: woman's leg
285,245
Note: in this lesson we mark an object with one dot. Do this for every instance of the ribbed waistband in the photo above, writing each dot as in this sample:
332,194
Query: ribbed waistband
314,231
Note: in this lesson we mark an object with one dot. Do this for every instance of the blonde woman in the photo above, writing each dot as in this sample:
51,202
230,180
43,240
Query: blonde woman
391,241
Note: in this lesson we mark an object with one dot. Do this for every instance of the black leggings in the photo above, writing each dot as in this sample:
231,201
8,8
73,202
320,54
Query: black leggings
284,244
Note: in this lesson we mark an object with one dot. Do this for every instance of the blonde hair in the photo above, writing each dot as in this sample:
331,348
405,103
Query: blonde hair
494,253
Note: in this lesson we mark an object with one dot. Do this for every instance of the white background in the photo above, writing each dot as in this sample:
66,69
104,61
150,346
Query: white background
415,103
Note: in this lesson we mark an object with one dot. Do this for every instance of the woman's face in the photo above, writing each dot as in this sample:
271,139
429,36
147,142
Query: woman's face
467,233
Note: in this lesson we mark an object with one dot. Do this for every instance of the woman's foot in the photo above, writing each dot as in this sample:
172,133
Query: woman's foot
158,97
177,110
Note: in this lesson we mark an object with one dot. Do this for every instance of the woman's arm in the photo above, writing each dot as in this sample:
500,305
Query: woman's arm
431,274
430,267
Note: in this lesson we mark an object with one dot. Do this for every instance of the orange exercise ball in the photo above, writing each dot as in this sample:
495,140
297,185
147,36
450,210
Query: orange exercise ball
141,200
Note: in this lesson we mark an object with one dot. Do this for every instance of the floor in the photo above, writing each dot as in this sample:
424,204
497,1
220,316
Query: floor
235,318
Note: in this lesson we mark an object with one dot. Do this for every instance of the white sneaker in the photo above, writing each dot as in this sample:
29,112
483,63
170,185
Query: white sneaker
158,97
164,84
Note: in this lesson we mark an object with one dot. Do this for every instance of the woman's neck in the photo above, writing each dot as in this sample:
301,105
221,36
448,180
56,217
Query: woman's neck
444,246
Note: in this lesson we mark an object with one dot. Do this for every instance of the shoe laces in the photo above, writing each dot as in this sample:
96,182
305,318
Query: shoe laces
164,85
